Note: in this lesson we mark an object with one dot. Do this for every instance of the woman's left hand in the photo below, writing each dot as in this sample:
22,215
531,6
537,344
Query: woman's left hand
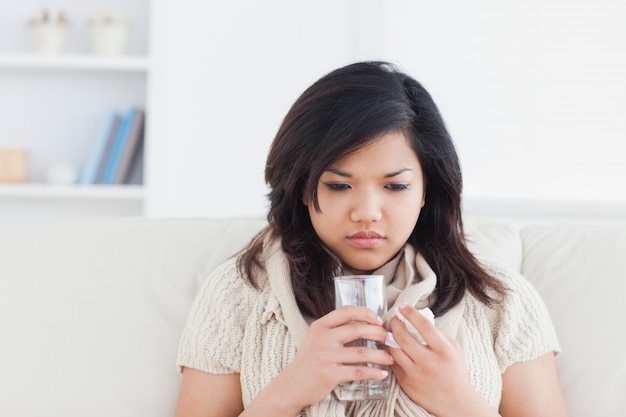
434,375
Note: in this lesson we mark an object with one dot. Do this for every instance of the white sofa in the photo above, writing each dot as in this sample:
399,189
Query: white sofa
91,310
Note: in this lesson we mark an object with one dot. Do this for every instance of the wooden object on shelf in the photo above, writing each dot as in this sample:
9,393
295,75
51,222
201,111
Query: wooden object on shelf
13,165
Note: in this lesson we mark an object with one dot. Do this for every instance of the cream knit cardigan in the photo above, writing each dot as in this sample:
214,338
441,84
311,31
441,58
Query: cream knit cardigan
233,328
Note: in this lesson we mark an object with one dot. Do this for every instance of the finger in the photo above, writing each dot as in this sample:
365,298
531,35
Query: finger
431,335
364,352
347,373
400,358
359,330
408,343
401,370
347,314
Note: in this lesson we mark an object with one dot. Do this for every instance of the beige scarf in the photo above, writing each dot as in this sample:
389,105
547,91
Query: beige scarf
413,283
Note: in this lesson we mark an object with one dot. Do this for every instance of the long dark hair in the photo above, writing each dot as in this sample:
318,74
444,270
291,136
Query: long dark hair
342,112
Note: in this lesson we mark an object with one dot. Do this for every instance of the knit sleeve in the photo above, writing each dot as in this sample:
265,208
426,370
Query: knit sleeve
211,338
523,329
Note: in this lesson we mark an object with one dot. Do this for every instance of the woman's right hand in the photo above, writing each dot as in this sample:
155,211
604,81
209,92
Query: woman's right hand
322,361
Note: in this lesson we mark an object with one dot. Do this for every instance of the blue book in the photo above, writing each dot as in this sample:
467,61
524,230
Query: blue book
118,146
107,149
133,143
90,170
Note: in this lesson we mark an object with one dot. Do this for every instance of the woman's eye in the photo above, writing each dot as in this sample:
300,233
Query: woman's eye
397,187
337,186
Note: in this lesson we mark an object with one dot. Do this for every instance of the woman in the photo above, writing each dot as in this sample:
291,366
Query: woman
364,178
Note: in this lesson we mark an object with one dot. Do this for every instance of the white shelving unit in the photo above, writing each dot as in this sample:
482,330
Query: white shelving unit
72,192
53,107
140,64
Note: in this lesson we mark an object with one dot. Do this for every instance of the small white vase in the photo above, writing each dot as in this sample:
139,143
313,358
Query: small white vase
61,174
48,39
109,38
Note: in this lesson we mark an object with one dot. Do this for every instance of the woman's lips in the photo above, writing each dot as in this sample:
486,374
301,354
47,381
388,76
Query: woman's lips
366,239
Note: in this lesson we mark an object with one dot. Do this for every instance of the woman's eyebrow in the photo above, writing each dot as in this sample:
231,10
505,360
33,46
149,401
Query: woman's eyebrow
398,172
339,172
348,175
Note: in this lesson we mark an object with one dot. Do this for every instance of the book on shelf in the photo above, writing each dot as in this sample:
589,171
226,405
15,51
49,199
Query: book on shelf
106,133
135,175
102,163
134,143
116,156
127,140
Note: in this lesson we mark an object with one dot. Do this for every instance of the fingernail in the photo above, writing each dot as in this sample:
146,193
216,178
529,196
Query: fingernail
385,373
380,319
402,305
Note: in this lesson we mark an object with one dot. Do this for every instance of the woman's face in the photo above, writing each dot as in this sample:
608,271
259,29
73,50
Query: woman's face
369,203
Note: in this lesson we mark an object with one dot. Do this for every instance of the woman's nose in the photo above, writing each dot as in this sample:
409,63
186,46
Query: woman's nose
366,207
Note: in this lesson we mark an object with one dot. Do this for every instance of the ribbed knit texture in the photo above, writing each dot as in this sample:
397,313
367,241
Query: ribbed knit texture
233,328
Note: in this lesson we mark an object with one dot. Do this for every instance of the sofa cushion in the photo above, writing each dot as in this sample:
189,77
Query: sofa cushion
91,311
580,271
495,241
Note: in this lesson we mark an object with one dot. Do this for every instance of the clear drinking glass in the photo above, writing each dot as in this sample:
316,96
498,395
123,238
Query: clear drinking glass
368,291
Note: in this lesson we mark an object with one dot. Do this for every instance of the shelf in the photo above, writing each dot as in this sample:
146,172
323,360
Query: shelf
75,62
75,192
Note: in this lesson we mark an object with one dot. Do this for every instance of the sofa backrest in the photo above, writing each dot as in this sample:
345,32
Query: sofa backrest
580,271
91,311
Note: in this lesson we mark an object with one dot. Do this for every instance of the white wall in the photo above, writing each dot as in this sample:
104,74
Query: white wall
532,91
224,76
